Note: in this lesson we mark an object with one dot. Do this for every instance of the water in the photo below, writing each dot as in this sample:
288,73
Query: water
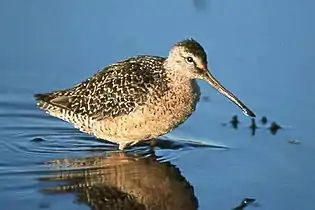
262,51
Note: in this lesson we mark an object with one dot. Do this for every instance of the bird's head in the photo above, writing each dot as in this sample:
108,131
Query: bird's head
189,59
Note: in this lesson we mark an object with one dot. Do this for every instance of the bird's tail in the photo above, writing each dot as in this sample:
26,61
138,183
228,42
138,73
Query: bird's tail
44,100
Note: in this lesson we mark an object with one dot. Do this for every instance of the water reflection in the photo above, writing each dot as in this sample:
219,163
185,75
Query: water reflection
273,127
234,122
245,202
123,181
253,127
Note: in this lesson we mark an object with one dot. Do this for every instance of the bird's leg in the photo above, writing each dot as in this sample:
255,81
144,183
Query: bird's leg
133,143
122,146
152,145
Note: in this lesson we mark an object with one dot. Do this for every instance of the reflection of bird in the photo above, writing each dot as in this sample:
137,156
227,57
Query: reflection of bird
121,181
139,98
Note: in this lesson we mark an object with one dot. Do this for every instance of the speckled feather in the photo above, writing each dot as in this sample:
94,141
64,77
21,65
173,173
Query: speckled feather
116,90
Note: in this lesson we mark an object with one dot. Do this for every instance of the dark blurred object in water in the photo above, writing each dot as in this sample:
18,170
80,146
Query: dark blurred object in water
274,127
205,98
244,203
234,121
264,120
44,205
293,141
253,126
37,139
121,181
200,4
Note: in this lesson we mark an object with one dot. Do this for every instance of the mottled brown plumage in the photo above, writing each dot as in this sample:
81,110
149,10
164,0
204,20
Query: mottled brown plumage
138,98
115,90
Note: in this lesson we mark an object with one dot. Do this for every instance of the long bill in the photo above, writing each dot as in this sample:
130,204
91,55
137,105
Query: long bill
214,83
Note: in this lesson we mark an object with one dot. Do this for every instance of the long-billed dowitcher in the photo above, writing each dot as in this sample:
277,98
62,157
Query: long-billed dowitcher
139,98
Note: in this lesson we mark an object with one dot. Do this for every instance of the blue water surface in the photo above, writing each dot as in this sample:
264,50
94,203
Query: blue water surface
263,51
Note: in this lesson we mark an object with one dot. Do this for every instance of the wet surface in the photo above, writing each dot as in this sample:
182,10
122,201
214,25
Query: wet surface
262,51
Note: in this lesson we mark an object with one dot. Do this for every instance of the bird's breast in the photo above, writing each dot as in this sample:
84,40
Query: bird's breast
183,99
173,107
160,114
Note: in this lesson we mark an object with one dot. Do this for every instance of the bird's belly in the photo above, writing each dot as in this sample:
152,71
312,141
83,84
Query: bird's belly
155,118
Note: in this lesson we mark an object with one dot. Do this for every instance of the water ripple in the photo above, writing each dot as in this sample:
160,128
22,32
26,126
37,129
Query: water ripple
30,137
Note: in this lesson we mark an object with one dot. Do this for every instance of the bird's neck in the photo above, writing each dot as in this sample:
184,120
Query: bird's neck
175,73
178,81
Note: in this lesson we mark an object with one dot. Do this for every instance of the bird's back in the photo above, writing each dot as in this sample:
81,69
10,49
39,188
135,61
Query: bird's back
116,90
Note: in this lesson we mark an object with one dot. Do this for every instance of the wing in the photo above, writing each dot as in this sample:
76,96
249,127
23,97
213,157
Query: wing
116,90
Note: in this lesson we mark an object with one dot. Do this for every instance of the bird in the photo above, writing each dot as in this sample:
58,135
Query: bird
139,98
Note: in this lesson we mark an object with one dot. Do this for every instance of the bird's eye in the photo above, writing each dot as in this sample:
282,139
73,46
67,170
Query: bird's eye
189,59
